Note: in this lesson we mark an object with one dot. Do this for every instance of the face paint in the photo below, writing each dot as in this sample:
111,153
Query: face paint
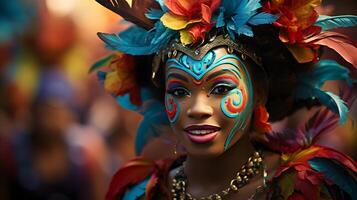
196,68
172,108
236,104
171,103
236,100
233,103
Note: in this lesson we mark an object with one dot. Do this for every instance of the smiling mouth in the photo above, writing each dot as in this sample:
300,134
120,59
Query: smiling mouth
202,133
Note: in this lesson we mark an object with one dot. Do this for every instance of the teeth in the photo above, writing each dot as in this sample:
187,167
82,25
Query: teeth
201,132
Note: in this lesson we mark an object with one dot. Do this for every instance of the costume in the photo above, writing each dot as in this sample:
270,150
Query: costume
281,39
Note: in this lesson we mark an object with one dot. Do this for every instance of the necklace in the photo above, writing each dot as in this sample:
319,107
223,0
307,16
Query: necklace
248,170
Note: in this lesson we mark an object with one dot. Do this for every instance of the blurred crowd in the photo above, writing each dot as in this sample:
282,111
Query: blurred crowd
61,136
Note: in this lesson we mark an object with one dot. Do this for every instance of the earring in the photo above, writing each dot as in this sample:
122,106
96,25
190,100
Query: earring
176,152
260,122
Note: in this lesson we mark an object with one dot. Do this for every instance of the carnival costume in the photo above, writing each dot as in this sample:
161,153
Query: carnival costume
267,34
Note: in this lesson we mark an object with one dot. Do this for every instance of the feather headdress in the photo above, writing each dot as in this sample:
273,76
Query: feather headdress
158,22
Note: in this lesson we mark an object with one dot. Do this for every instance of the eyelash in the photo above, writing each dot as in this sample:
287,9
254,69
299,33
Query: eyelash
179,92
225,86
182,92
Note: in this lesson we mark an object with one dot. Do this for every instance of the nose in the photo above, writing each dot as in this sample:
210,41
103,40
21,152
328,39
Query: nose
199,107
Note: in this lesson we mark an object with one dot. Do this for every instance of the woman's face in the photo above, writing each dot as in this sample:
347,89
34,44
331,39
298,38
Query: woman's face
208,101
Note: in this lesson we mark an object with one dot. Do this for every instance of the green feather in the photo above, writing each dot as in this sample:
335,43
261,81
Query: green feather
101,63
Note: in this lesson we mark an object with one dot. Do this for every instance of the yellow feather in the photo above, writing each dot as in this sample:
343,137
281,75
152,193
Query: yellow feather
300,154
186,37
301,54
112,82
176,22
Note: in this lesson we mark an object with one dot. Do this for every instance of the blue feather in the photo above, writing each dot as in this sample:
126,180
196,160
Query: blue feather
162,5
133,40
239,21
162,35
240,13
245,30
262,18
326,70
124,101
337,174
154,14
333,102
220,19
310,83
252,5
230,6
136,191
231,30
138,41
154,117
327,22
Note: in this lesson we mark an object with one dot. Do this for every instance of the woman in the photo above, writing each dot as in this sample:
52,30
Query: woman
222,67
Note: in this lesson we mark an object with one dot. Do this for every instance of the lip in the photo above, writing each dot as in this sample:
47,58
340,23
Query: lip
202,133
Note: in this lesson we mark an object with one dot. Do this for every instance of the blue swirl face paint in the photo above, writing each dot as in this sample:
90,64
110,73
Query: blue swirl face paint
236,104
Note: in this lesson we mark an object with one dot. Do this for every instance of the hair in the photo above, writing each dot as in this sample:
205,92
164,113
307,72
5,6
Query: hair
274,82
282,72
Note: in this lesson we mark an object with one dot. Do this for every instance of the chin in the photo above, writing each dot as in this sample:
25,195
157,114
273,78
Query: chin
210,149
204,152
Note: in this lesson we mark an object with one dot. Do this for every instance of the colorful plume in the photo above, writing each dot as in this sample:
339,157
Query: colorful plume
238,17
120,79
191,18
297,22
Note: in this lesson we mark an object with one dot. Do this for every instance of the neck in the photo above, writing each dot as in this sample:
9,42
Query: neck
211,174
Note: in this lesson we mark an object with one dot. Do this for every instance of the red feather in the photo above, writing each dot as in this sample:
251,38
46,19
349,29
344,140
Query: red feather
342,44
134,96
308,190
132,173
326,152
137,170
261,117
150,186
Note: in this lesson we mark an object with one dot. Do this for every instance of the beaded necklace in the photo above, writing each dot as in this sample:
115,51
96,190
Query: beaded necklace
248,170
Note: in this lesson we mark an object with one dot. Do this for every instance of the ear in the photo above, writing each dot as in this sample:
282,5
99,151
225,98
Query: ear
134,13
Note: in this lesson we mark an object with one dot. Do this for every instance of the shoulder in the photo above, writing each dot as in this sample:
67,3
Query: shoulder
141,179
314,172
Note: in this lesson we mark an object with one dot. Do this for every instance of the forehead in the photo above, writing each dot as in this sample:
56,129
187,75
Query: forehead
215,60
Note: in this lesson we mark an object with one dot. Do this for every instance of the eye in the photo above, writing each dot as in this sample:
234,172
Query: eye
222,89
179,92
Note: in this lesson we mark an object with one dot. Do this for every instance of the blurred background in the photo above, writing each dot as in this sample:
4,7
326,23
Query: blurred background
61,136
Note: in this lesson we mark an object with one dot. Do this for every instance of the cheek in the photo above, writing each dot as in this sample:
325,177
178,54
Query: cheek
234,102
172,107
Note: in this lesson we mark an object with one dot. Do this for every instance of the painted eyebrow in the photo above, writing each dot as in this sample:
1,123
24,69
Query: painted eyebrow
178,76
220,72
